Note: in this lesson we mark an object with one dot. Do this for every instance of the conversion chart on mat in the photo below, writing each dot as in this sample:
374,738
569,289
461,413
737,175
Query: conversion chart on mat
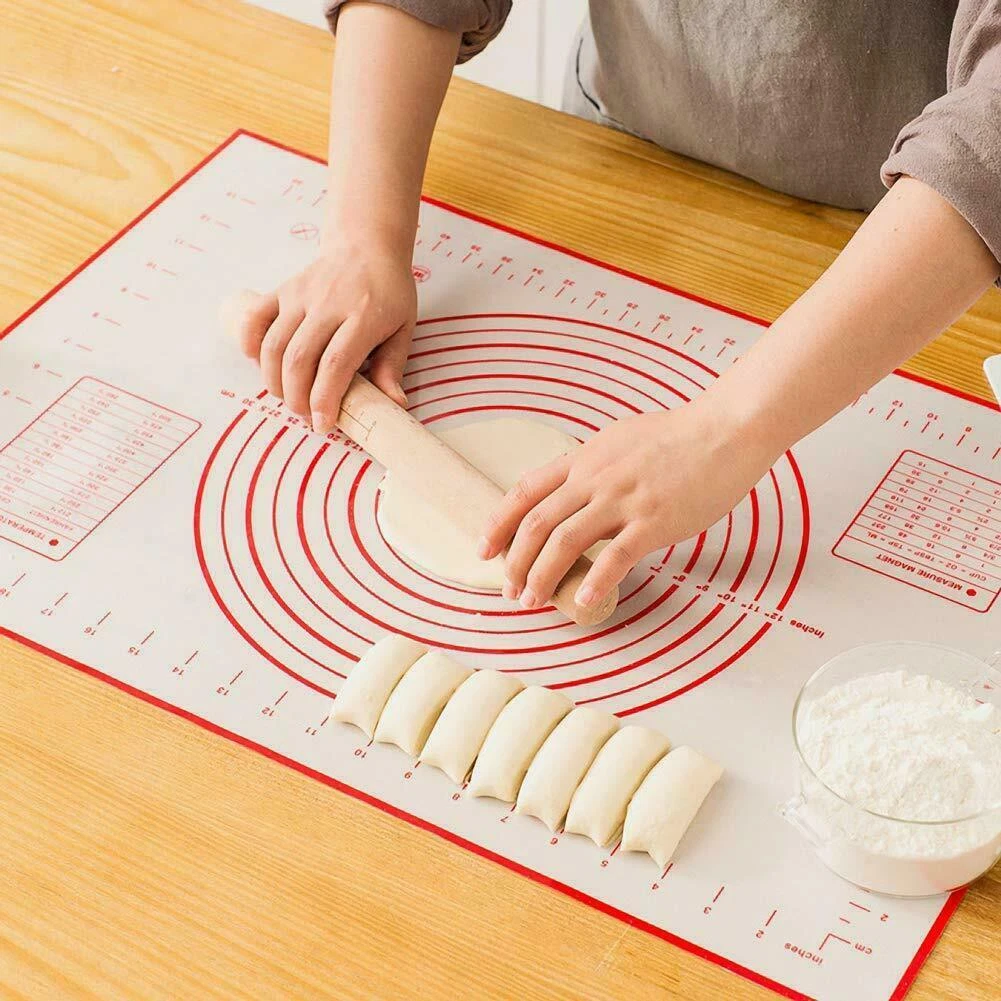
167,526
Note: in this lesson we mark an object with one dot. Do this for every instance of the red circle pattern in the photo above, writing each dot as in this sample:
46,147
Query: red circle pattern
287,538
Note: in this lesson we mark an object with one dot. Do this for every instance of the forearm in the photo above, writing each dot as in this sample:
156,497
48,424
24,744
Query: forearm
912,268
390,76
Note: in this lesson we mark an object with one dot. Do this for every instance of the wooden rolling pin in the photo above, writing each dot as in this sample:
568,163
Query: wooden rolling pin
425,463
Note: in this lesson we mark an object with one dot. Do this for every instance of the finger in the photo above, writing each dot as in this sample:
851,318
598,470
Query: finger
518,501
249,315
566,543
276,340
301,360
341,358
533,533
611,566
388,362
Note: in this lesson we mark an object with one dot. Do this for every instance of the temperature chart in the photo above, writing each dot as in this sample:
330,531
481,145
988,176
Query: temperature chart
166,525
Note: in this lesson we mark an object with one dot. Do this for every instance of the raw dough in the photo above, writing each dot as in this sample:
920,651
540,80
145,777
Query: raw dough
560,765
367,688
504,449
513,740
598,807
464,723
667,802
417,701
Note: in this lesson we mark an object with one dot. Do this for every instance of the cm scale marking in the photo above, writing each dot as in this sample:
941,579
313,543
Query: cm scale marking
236,578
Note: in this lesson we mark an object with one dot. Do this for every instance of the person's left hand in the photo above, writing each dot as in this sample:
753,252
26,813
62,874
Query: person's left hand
644,482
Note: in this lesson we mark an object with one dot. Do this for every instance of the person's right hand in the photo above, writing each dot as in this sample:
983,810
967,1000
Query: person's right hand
315,330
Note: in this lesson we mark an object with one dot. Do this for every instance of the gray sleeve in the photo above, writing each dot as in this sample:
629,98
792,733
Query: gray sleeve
477,20
954,145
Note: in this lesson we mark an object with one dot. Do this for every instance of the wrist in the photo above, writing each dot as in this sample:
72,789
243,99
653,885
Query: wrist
741,428
367,225
347,241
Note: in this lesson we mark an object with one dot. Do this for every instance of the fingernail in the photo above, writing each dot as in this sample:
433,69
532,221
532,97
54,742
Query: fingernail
528,598
509,591
401,396
585,595
321,422
484,550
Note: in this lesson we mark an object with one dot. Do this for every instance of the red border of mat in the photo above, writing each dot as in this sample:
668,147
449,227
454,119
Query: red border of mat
951,903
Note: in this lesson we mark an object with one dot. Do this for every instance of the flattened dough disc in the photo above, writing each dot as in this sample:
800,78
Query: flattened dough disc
503,449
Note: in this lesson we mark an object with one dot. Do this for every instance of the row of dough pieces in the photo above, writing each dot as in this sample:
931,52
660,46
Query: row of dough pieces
529,746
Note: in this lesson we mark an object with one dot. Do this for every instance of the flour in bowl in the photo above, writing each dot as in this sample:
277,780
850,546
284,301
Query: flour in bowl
906,746
910,747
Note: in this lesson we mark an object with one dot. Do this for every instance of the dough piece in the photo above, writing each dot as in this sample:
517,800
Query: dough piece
667,802
417,702
503,449
561,763
599,805
371,681
464,723
513,740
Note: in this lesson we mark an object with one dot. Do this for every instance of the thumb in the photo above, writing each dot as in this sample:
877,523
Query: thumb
247,317
387,364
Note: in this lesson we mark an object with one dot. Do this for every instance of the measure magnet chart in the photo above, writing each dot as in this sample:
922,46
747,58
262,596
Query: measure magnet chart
166,526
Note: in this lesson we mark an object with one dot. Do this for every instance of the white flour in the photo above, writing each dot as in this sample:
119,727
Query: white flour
910,747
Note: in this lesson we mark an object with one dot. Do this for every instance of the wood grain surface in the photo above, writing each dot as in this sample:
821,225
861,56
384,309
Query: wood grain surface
145,858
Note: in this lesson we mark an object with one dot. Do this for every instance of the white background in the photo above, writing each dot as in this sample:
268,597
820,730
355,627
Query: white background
527,58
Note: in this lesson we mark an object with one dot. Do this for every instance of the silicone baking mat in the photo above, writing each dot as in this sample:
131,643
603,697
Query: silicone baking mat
167,527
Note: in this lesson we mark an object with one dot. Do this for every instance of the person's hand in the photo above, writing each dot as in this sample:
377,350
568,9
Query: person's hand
315,330
644,482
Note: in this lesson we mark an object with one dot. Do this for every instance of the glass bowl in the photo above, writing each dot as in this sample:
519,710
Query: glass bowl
884,854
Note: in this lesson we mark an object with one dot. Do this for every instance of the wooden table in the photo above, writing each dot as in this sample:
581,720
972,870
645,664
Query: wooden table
142,857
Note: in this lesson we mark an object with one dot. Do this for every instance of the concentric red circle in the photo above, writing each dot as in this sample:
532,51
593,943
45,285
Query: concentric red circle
291,550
